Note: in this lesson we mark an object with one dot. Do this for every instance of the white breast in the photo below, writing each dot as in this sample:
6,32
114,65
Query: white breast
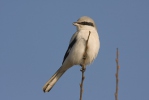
76,53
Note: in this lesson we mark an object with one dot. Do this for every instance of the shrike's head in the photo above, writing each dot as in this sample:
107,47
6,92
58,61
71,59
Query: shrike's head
84,23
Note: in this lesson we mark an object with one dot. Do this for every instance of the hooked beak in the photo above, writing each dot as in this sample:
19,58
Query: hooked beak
75,23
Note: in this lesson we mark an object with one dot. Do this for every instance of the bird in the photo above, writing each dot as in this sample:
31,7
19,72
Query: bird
76,49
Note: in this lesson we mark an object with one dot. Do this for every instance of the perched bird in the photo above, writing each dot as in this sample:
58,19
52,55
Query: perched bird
76,49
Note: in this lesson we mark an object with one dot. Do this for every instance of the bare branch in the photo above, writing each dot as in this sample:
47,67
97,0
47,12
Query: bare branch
83,67
117,75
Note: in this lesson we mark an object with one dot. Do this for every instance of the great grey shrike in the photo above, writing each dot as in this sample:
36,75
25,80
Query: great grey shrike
76,48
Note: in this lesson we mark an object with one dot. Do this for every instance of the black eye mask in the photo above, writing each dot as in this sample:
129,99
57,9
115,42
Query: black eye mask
86,23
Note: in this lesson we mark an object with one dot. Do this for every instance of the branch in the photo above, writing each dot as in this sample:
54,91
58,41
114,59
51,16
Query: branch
116,75
83,67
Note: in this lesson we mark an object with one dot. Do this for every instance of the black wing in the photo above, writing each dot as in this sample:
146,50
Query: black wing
69,48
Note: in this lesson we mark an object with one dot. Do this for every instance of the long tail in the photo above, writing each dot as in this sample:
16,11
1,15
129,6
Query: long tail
48,86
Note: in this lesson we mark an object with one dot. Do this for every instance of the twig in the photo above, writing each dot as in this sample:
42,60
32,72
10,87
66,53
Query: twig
116,75
83,67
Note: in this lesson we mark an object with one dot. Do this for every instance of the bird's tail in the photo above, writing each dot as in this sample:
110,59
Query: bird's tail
51,82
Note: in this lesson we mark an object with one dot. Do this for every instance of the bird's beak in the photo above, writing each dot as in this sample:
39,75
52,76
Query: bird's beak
75,23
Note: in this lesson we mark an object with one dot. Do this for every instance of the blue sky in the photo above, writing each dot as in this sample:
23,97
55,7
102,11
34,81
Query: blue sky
34,35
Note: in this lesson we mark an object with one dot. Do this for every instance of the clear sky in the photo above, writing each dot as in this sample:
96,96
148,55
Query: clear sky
34,35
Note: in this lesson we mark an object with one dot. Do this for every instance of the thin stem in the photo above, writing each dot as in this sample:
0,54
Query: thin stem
117,74
83,67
